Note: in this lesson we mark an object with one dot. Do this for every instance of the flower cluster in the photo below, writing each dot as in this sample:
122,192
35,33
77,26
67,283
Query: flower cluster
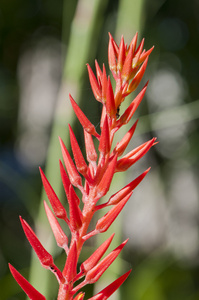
93,178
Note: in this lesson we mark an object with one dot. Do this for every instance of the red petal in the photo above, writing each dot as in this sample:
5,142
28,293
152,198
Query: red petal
110,101
116,49
75,212
70,271
74,176
121,146
30,291
99,73
111,55
117,197
78,156
128,160
90,148
105,222
45,258
127,67
105,182
137,54
65,180
111,288
104,85
43,255
144,55
86,124
61,238
104,144
138,77
129,112
95,273
134,42
121,54
94,84
58,208
96,256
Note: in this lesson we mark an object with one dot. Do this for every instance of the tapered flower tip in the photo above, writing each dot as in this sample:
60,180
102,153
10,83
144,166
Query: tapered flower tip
74,176
58,208
45,258
96,256
86,124
70,271
112,55
75,212
95,273
105,222
94,84
61,238
80,296
30,291
127,190
111,288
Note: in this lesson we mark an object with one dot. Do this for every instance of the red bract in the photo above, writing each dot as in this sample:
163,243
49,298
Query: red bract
93,177
30,291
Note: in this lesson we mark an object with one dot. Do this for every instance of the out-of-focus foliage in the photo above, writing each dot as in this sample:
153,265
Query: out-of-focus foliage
162,220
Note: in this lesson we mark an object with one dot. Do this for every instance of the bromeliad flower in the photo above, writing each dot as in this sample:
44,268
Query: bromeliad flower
127,65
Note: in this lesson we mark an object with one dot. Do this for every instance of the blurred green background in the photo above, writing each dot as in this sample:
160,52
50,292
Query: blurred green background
44,46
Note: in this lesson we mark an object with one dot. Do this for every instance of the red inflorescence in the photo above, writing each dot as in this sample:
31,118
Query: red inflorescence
127,64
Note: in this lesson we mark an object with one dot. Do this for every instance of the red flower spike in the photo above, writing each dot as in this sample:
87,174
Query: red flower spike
110,101
105,182
105,222
70,271
90,148
104,143
75,212
95,273
74,176
30,291
138,77
94,85
86,124
127,161
96,256
144,55
121,54
78,156
127,67
117,197
45,258
129,112
60,237
111,288
121,146
58,208
99,73
111,56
